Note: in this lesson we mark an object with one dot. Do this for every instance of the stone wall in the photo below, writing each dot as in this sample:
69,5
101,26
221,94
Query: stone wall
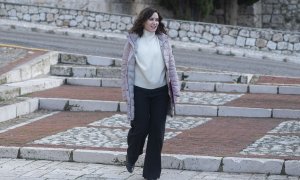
213,34
281,14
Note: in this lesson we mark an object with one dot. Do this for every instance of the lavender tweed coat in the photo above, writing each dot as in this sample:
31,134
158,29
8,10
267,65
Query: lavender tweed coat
128,72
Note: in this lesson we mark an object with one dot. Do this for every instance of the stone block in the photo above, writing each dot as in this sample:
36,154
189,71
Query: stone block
58,70
243,112
34,104
100,61
9,152
229,40
9,92
202,163
286,113
250,41
53,104
292,167
261,43
105,72
93,105
123,106
84,81
241,41
51,154
263,89
112,82
199,86
84,71
96,156
222,87
23,108
197,110
170,161
8,112
252,165
289,89
26,72
13,76
73,59
209,76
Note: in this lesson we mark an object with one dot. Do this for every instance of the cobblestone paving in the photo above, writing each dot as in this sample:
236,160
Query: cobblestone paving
17,169
278,144
111,136
287,127
207,98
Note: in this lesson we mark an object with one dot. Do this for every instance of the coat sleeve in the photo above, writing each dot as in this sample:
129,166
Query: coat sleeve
124,71
173,73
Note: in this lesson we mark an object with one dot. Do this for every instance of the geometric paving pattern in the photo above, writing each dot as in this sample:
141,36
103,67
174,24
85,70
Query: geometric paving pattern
206,98
278,144
287,127
275,145
107,133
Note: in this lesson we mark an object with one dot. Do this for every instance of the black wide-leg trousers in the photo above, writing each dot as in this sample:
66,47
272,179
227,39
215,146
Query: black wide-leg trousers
151,106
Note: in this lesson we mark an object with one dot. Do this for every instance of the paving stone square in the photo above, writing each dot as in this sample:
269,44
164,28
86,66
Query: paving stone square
275,145
110,133
207,98
175,123
287,127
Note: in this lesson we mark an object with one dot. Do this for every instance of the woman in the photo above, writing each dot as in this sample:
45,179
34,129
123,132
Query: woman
150,87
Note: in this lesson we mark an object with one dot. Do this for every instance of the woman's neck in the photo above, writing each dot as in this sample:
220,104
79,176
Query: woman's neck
148,34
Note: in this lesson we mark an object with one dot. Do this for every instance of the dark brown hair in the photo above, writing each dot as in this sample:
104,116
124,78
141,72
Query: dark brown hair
144,15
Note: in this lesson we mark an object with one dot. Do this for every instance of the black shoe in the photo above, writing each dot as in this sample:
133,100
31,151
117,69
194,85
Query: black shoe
129,166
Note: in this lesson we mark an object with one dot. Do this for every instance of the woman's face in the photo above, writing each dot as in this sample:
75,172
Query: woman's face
152,23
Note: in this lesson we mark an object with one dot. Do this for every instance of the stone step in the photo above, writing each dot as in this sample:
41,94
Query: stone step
17,107
76,98
257,145
34,68
196,86
12,90
115,72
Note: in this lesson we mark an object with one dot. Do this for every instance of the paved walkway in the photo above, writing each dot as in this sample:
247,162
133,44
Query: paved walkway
19,169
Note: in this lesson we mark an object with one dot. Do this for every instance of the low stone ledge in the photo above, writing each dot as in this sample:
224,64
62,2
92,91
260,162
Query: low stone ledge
171,161
197,110
53,104
103,157
100,61
263,89
292,167
123,106
9,92
58,70
8,112
84,81
286,113
244,112
201,163
9,152
84,71
52,154
111,82
93,105
289,89
210,76
240,88
199,86
252,165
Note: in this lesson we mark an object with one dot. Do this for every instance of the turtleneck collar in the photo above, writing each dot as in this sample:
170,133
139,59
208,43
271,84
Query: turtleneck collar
148,34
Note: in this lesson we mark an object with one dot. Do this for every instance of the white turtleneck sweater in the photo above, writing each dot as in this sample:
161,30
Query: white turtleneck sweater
150,71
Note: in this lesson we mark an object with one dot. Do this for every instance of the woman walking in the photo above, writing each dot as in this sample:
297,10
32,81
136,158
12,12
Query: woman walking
150,87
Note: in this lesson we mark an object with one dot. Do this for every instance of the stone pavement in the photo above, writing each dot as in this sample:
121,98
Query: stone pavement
226,122
19,169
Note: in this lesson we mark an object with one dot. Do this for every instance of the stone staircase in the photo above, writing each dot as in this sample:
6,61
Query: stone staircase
60,85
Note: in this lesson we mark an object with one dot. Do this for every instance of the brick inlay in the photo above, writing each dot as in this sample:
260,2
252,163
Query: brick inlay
275,145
